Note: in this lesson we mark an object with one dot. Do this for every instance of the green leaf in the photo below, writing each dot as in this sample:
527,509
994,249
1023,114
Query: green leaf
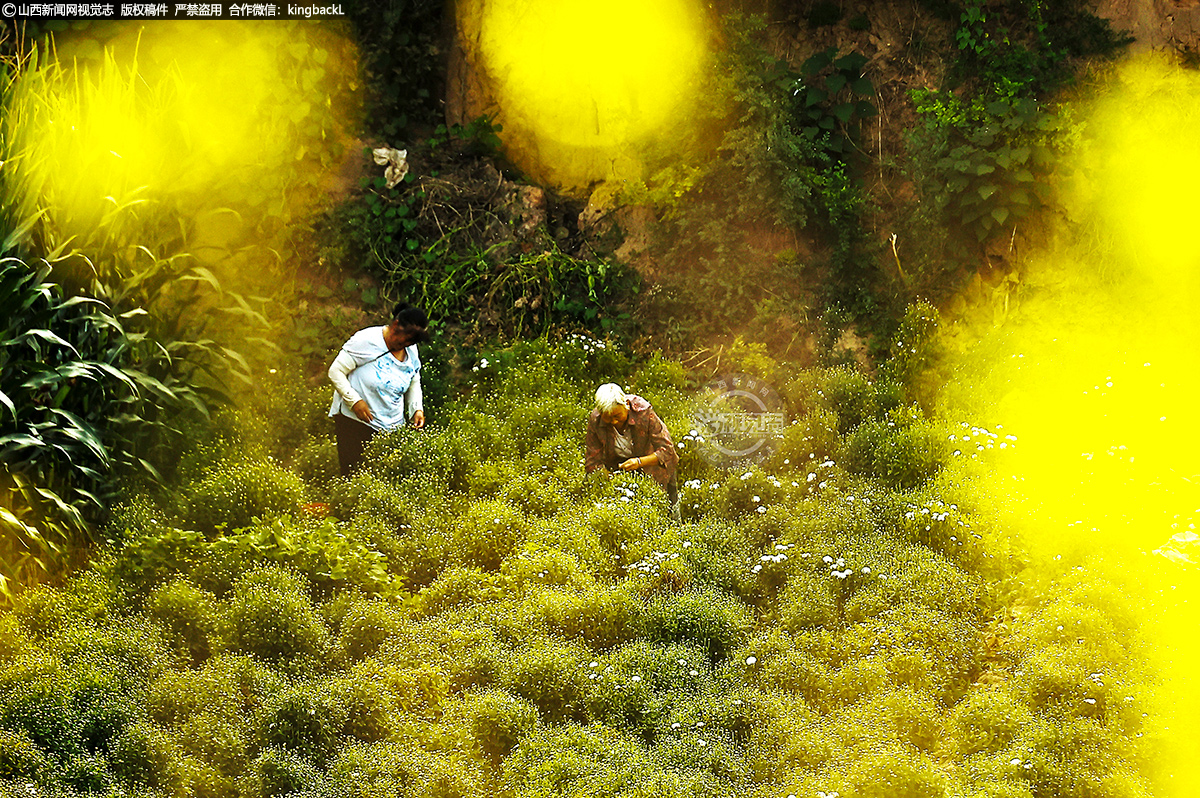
998,108
864,109
77,429
815,96
986,190
46,335
862,87
818,62
843,112
20,441
852,63
834,83
1000,214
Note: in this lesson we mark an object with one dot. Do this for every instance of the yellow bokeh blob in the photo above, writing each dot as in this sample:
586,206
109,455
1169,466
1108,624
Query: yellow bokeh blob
1101,379
583,87
1145,166
189,116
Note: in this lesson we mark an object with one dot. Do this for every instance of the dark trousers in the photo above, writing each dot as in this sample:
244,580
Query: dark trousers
352,436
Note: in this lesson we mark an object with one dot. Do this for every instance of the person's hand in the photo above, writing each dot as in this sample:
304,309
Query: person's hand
362,411
632,464
418,419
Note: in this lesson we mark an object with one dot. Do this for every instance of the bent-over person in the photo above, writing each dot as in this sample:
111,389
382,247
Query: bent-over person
624,433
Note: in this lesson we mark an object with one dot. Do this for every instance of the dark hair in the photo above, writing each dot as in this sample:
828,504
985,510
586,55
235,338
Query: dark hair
406,315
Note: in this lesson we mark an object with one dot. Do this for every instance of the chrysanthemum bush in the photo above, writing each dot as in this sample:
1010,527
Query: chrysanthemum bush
472,615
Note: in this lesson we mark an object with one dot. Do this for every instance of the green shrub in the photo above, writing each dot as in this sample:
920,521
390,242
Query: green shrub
189,616
14,640
456,587
280,772
533,568
498,721
42,714
531,423
858,679
920,647
42,610
366,708
270,616
710,619
20,758
573,760
236,493
157,555
316,461
416,553
896,773
367,494
899,572
810,439
136,517
437,455
843,390
1066,680
1067,622
228,686
987,719
935,524
550,675
602,617
488,478
305,720
636,686
197,777
143,756
224,744
902,454
411,691
716,555
487,533
86,773
1065,757
406,769
573,534
749,491
534,494
781,666
366,626
706,755
903,715
329,554
807,601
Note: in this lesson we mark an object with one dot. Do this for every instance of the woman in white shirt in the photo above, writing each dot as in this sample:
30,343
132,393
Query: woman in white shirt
377,383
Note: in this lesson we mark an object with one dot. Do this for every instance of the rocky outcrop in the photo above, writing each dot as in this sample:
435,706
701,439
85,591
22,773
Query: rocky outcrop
1156,23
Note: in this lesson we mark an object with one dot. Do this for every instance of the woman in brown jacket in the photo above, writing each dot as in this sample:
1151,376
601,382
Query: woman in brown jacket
625,433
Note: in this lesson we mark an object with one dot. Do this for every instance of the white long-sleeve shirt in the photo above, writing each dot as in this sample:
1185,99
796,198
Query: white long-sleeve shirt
364,370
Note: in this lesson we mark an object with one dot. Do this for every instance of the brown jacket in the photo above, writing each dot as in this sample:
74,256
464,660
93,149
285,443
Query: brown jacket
649,435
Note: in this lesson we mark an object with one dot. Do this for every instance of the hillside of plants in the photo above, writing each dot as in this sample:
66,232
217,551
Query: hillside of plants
196,604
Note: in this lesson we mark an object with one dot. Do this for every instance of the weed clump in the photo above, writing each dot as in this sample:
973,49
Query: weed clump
234,494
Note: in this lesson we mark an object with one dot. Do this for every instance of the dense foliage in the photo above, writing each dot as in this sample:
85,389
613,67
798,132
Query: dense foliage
475,616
